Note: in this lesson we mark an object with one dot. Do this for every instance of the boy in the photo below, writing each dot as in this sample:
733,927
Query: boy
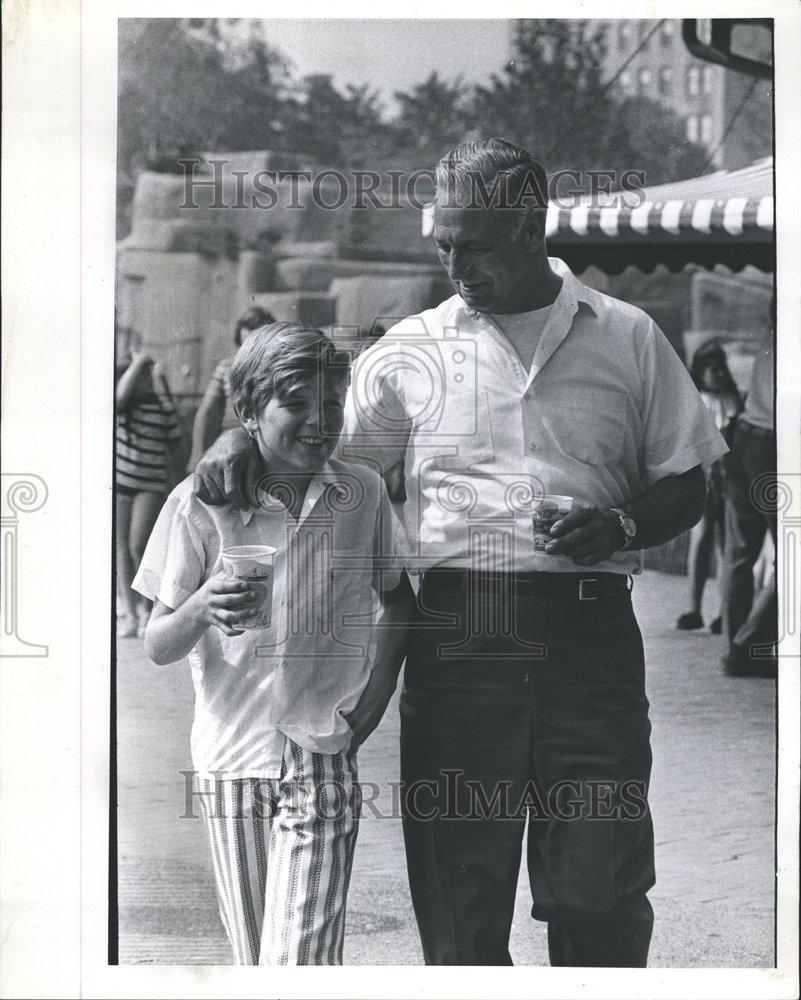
279,711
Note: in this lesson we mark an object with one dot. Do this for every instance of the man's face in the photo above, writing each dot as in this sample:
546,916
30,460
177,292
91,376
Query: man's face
487,255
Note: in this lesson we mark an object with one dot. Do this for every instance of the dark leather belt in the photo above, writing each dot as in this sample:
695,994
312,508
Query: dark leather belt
556,586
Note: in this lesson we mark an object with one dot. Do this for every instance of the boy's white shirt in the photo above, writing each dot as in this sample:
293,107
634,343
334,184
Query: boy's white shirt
296,678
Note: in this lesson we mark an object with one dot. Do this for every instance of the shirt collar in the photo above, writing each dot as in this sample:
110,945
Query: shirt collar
269,504
570,295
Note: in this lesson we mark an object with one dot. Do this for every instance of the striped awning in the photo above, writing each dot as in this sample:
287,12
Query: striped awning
721,218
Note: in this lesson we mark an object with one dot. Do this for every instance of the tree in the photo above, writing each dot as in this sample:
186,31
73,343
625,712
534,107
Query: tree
653,139
217,84
433,117
187,84
551,99
333,128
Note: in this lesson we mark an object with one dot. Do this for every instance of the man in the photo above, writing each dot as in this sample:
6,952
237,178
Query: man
751,620
523,690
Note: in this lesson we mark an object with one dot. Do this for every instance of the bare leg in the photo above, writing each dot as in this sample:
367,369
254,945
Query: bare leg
720,555
126,606
699,559
702,539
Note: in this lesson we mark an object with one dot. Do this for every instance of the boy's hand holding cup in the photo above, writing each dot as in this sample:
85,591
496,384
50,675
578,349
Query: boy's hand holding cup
226,602
240,597
252,565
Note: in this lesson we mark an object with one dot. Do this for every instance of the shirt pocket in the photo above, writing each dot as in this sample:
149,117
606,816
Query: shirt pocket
589,425
461,436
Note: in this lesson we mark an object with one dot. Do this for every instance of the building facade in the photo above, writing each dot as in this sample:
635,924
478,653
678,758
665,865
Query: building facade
728,113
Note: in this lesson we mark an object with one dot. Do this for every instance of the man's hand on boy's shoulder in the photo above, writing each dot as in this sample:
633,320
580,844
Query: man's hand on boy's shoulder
228,473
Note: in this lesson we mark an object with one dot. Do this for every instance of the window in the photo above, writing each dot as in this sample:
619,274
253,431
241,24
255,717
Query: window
625,80
643,28
707,79
706,129
645,76
693,78
666,33
623,35
692,128
665,80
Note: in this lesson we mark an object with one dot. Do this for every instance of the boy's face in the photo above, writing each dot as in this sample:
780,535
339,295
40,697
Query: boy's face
299,431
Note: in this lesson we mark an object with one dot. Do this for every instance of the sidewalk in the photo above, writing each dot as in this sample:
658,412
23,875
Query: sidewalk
712,798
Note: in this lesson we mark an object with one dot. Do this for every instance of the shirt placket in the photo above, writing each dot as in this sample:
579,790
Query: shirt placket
506,349
320,594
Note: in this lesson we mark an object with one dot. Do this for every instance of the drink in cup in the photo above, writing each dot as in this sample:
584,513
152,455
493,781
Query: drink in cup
546,511
253,564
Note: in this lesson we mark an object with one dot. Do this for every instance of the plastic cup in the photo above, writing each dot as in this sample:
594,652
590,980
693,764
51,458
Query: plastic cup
546,511
253,563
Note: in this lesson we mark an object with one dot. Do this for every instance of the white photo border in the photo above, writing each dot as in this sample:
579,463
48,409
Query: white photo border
59,225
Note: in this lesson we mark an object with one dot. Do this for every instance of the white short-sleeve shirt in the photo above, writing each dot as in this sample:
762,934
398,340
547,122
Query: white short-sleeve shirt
299,676
606,410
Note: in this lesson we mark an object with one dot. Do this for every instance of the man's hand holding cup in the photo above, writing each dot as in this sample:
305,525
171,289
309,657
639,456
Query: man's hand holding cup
586,534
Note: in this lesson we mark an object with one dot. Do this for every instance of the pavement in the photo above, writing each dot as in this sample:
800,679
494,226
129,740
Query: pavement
712,798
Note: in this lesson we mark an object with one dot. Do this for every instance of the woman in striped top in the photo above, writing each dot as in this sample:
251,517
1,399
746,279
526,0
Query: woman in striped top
147,431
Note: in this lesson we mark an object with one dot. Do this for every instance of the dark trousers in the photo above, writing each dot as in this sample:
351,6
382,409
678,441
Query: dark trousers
750,477
521,705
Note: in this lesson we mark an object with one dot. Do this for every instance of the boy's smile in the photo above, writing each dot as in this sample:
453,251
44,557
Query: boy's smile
298,432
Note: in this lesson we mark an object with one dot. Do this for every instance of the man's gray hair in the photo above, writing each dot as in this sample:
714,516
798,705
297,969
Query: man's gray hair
492,173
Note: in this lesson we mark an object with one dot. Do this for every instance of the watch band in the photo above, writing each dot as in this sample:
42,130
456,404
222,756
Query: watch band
627,525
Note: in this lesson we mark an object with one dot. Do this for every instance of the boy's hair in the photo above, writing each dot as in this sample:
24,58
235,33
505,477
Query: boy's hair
278,358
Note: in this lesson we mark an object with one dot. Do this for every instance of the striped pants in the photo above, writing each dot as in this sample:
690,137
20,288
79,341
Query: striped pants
282,850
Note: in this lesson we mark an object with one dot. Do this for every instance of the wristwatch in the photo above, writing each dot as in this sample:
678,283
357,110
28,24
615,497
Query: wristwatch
627,525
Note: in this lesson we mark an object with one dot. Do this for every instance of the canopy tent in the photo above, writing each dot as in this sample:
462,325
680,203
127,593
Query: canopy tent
721,218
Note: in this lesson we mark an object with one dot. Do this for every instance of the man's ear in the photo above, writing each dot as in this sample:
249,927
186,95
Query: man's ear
534,230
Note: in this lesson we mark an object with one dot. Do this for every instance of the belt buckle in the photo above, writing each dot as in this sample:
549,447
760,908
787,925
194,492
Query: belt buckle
582,595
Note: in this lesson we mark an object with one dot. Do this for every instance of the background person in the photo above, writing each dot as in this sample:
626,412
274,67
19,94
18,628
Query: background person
751,616
147,435
215,413
710,372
